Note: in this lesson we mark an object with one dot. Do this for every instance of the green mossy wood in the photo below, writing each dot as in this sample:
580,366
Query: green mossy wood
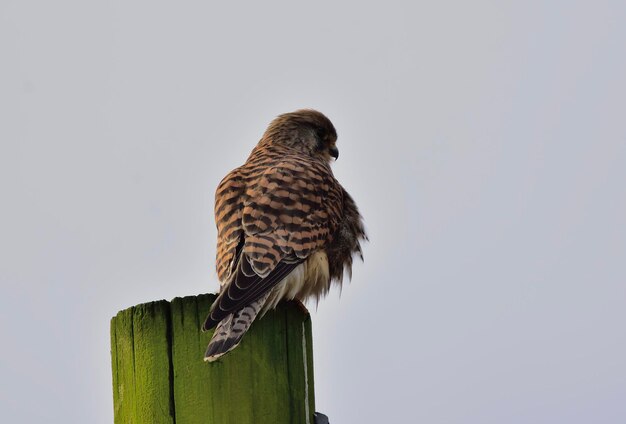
159,375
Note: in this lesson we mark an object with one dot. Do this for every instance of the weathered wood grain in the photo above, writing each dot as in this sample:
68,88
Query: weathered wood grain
140,363
159,375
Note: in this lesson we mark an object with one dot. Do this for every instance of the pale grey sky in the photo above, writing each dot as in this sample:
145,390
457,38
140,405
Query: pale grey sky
485,143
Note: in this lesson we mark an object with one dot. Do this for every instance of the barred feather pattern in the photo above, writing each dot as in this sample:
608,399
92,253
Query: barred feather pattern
231,329
283,203
286,227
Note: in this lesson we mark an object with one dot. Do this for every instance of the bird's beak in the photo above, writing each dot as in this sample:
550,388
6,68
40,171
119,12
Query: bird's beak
334,152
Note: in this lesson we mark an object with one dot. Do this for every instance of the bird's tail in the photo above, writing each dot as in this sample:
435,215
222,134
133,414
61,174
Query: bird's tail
231,329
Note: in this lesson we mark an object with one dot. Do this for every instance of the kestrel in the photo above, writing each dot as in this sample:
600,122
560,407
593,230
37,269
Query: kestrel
286,227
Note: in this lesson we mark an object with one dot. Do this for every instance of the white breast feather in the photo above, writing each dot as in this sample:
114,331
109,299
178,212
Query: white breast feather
309,279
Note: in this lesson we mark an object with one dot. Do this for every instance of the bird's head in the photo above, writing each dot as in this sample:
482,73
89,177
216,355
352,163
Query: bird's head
305,130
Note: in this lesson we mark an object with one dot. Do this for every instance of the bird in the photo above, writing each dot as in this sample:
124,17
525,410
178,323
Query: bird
286,228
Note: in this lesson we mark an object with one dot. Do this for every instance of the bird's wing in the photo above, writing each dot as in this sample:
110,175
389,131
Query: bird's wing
228,211
288,212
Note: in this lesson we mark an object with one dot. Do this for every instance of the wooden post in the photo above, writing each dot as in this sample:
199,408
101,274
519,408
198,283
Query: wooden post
159,375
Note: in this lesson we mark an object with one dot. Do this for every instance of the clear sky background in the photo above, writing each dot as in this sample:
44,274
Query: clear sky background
485,143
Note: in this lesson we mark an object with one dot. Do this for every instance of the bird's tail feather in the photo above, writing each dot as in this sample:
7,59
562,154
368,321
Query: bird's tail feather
231,329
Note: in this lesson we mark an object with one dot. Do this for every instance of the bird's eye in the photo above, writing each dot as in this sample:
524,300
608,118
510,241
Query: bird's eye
321,133
320,145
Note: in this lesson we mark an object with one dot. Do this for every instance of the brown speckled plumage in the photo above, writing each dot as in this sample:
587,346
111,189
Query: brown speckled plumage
286,227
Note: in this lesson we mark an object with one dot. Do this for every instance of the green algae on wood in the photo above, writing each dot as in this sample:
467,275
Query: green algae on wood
140,360
159,375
